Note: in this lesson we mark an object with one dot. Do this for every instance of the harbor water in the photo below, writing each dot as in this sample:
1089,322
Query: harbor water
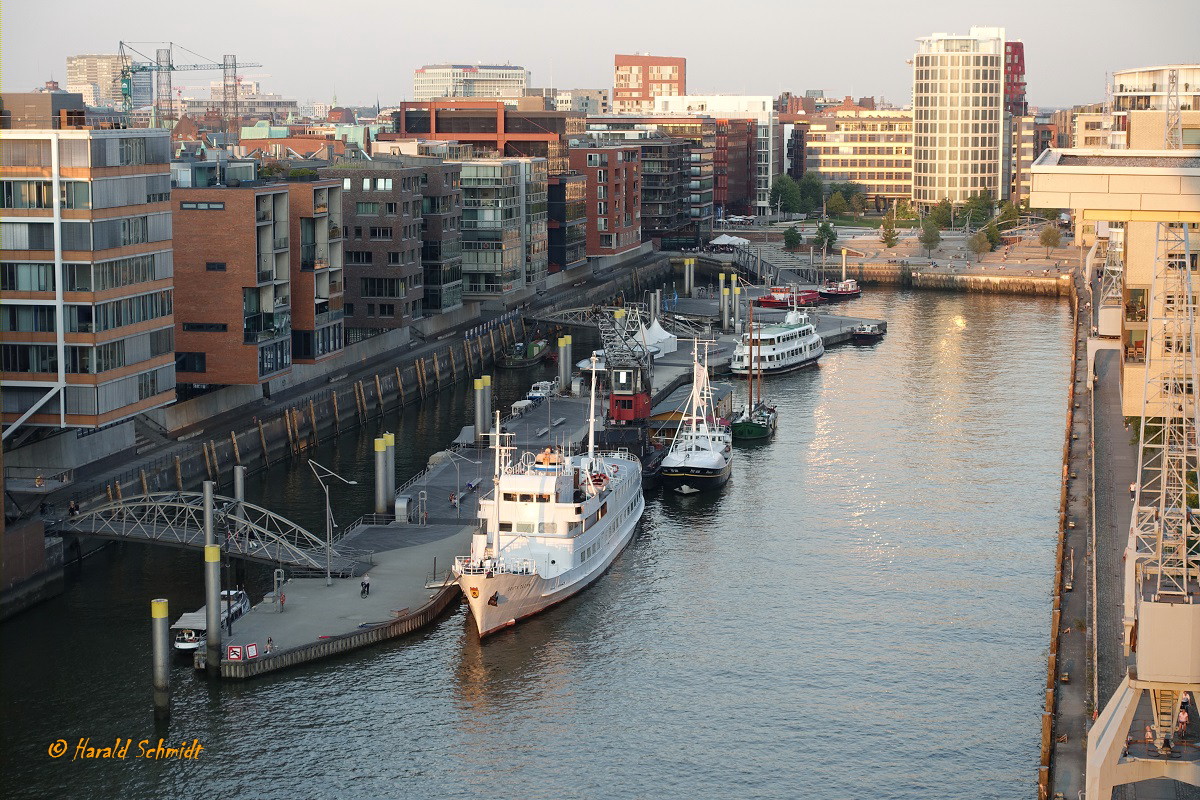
861,613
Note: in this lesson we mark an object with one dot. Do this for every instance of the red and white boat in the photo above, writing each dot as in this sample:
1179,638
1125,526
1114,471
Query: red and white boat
788,297
840,290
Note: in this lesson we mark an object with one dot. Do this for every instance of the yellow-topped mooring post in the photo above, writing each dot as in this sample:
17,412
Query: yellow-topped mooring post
160,632
212,607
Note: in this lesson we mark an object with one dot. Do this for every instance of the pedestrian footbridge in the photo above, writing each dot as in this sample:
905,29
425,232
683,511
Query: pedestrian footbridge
243,530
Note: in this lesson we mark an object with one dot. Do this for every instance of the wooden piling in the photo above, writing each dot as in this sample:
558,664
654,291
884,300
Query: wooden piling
262,439
312,419
302,441
379,391
207,464
337,419
492,339
108,490
437,371
179,473
287,426
237,451
145,483
482,361
453,364
216,466
400,386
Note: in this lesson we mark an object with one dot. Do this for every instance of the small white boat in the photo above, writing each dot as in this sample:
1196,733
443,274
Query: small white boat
541,390
701,454
191,629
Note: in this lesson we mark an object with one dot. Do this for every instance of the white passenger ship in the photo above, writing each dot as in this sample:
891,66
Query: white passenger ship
779,348
552,525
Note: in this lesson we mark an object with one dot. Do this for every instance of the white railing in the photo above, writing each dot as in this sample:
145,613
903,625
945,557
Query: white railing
465,565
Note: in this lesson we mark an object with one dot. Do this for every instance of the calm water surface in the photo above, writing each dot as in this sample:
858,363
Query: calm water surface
862,613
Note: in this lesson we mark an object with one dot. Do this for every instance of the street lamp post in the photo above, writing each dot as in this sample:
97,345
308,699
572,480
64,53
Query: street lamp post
458,477
326,472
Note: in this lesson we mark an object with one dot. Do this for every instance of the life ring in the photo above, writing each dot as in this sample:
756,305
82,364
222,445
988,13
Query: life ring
616,469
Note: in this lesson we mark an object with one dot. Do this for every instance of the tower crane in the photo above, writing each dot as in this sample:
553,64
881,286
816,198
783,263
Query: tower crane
161,66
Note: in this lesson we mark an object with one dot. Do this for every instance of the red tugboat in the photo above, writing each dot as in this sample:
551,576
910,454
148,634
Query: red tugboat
840,290
788,297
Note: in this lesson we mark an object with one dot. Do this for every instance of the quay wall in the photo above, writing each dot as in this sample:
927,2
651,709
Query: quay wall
336,645
1051,723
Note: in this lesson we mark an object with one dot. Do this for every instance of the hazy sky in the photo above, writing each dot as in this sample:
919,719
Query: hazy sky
310,49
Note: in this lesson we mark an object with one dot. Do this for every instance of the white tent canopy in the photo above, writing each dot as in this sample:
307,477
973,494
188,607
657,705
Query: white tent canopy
656,337
726,240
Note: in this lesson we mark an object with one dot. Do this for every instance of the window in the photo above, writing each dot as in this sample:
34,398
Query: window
349,309
394,259
387,309
205,327
365,209
201,206
214,266
381,233
381,287
601,208
390,208
147,385
358,256
346,184
191,362
27,277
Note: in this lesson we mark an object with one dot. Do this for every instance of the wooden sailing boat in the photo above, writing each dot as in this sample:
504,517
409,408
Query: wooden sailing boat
757,420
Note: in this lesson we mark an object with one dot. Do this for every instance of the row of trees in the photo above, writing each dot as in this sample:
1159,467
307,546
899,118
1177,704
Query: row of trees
824,237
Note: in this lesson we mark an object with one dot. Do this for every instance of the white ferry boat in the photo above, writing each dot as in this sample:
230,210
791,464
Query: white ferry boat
552,525
784,347
191,629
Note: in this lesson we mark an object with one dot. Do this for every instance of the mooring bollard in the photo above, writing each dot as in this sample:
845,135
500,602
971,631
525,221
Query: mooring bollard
160,632
381,499
212,608
389,441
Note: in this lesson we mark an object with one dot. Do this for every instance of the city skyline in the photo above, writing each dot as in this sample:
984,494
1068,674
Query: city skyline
380,63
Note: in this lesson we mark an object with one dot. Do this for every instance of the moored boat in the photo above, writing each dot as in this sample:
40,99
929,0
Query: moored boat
788,297
701,454
552,525
191,629
524,355
867,333
757,420
840,290
778,348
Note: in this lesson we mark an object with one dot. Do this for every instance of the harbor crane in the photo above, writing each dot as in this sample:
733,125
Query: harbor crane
1161,615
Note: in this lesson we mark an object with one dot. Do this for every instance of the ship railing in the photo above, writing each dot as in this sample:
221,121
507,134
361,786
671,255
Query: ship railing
465,565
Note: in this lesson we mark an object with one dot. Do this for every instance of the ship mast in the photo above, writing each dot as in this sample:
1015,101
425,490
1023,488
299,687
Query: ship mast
592,420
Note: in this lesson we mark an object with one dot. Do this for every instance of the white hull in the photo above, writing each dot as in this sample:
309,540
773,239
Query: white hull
520,596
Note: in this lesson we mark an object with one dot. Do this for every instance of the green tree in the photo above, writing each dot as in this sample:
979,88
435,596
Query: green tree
979,244
979,208
810,193
1049,238
792,238
837,205
887,232
993,234
825,237
847,189
785,195
930,236
1009,212
858,203
942,214
903,210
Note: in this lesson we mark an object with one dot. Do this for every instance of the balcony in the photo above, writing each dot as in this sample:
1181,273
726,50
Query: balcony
335,232
264,216
281,243
266,275
321,208
332,315
265,326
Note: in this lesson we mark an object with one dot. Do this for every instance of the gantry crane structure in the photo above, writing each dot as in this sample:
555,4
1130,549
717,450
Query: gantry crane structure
1161,614
162,66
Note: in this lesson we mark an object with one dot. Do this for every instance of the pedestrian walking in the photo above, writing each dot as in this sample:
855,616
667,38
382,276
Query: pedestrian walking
366,585
270,645
1132,490
1185,701
1181,728
1149,735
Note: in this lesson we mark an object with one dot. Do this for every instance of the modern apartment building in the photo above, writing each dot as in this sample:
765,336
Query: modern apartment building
86,326
1015,103
870,148
734,165
583,101
266,291
769,145
491,127
504,226
434,81
1022,152
1148,89
567,221
614,196
639,78
97,77
958,108
1089,130
381,223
